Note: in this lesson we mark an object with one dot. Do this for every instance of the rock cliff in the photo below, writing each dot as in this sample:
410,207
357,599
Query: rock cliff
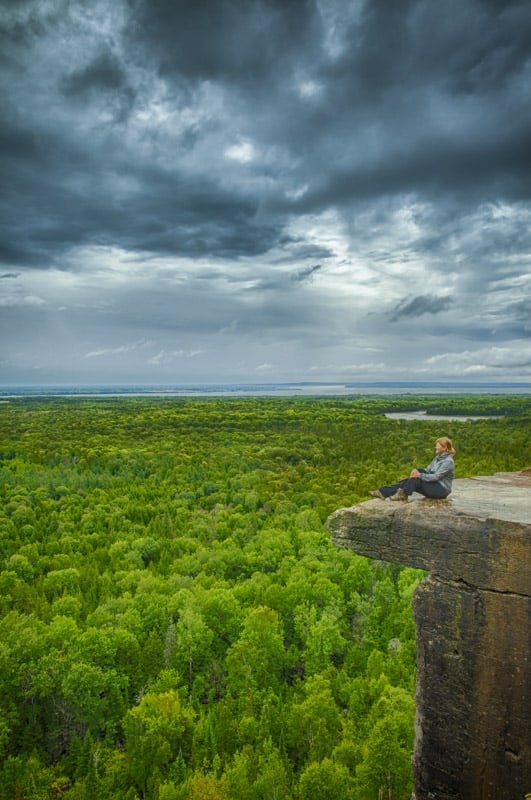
473,618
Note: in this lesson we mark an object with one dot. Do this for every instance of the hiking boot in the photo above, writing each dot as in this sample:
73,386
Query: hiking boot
377,493
399,495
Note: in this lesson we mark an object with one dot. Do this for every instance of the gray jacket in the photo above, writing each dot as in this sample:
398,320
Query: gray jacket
441,470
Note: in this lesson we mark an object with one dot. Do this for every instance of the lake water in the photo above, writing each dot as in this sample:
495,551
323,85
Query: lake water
288,389
420,415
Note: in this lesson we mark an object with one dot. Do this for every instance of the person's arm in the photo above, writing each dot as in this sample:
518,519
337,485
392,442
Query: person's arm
418,472
438,469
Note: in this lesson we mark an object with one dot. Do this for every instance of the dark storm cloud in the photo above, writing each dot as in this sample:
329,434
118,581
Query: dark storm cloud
520,314
160,211
418,98
425,98
284,282
417,306
266,167
244,42
467,46
306,274
430,167
103,73
22,23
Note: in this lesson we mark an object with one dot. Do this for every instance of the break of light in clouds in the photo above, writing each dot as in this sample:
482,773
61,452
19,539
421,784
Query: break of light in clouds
224,190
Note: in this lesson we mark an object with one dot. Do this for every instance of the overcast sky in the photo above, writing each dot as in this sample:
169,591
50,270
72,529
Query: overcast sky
265,190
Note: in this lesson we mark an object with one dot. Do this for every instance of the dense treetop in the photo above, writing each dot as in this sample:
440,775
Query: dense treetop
174,621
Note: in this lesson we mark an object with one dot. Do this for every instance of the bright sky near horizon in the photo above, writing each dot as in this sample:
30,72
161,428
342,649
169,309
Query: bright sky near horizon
262,190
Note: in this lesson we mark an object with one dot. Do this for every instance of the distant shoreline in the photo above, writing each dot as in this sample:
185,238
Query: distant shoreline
287,389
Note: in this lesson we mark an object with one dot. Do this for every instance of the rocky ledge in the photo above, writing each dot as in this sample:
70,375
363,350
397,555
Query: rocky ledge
473,617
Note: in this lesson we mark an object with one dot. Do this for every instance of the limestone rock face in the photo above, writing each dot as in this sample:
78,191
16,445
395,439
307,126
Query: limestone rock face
473,618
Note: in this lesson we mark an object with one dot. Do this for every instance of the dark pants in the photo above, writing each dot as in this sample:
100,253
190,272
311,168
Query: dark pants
410,485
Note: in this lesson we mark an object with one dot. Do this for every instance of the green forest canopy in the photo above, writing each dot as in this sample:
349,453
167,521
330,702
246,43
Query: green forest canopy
174,621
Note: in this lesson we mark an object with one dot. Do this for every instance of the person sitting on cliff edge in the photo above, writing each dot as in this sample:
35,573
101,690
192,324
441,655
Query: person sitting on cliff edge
434,481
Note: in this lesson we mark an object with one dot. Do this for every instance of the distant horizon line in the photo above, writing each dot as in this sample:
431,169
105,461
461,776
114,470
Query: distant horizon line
347,383
264,388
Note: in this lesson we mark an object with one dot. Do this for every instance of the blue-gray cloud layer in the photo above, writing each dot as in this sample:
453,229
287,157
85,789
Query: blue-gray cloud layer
234,189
